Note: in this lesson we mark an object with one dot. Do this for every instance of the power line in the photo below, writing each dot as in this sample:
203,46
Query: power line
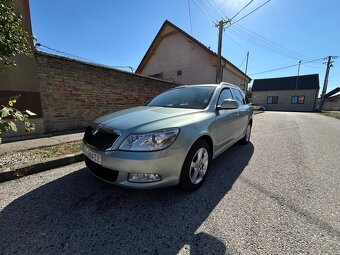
208,11
239,45
314,67
241,9
203,10
216,9
251,12
75,57
273,44
208,7
263,45
242,61
285,67
190,17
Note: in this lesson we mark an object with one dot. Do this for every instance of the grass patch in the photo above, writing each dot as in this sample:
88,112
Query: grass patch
17,158
332,114
57,150
258,111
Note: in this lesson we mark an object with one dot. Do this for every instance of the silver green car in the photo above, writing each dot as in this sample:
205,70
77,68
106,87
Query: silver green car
171,140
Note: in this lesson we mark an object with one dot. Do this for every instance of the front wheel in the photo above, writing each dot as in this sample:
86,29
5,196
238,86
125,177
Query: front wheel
246,138
196,166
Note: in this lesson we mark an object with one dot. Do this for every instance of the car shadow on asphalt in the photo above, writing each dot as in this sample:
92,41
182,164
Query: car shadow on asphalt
78,214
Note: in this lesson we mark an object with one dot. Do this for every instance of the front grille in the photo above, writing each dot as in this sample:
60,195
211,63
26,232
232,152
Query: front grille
101,140
100,171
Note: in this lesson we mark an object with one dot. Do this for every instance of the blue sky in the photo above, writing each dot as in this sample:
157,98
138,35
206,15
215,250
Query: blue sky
118,33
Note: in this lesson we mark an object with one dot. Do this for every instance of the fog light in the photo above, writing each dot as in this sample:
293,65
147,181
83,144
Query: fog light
139,177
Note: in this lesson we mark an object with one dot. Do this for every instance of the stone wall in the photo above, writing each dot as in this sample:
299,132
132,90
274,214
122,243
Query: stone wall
74,93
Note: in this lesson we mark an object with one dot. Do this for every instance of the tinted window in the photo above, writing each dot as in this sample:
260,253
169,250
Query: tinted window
238,96
225,94
186,97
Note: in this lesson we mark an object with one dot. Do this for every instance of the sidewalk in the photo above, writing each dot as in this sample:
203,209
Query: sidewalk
39,142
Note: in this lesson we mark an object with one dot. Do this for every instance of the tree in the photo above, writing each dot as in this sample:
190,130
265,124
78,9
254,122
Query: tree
13,37
13,40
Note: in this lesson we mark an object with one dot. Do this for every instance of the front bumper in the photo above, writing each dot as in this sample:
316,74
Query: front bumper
116,165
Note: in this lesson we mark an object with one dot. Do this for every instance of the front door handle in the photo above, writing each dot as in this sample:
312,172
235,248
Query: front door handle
237,114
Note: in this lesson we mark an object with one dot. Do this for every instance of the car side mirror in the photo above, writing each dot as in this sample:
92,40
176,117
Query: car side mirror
228,104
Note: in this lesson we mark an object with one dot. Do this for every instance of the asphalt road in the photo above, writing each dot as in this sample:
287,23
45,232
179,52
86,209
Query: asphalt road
278,195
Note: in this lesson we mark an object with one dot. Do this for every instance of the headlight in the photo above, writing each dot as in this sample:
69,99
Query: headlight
153,141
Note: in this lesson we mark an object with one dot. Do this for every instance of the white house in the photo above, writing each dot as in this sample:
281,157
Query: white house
177,56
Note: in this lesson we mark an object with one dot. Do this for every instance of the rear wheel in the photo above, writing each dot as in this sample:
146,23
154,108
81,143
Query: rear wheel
196,166
246,138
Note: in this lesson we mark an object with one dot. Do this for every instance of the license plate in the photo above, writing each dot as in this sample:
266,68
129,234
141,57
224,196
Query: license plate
93,156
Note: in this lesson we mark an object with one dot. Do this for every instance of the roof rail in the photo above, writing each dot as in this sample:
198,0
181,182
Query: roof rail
228,84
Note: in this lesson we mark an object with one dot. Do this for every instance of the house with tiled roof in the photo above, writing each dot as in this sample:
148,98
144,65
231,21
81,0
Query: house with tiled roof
177,56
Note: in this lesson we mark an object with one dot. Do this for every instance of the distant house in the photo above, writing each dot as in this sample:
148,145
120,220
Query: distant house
177,56
332,100
294,93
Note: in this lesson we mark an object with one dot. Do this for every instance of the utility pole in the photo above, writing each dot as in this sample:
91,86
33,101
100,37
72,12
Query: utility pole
246,86
220,26
325,83
297,77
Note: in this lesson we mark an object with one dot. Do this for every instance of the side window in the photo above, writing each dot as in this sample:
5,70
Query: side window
238,96
225,94
244,97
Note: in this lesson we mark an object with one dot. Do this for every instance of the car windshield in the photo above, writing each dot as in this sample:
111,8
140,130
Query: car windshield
197,97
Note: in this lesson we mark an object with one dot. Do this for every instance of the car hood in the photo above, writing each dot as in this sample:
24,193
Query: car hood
156,117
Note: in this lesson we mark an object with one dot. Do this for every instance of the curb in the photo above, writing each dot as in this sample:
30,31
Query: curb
45,165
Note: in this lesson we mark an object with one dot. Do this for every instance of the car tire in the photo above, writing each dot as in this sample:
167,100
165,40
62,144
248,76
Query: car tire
261,109
246,138
196,166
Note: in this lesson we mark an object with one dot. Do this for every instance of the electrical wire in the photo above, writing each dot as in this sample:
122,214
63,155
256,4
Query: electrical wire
241,10
251,12
242,62
285,67
239,45
268,42
204,9
216,9
190,17
209,9
207,14
273,44
314,67
263,45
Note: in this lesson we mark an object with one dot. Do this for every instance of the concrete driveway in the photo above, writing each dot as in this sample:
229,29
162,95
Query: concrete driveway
278,195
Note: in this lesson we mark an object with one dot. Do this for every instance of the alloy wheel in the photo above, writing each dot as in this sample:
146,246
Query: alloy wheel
199,166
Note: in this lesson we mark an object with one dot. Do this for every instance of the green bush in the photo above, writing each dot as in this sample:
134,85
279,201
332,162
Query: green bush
9,115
